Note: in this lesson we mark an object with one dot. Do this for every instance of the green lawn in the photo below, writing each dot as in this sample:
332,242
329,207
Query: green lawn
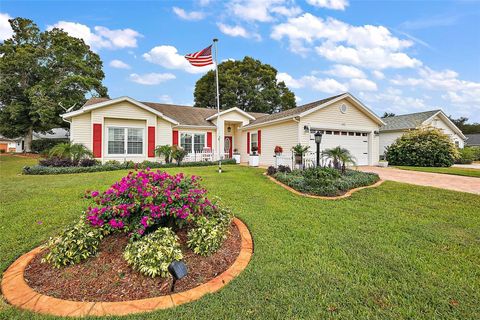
468,172
393,252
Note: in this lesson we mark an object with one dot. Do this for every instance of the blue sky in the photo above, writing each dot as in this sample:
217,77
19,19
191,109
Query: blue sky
396,56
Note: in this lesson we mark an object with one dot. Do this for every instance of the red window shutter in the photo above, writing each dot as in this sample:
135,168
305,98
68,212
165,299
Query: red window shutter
97,140
259,135
248,142
151,142
209,140
175,138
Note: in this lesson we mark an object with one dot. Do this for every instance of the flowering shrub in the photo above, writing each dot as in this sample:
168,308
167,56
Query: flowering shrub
210,231
152,254
278,149
148,199
74,244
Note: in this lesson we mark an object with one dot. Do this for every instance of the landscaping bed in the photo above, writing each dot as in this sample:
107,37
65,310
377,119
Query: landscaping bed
108,277
324,181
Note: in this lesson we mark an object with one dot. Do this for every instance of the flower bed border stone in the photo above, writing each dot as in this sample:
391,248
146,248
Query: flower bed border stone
17,292
346,195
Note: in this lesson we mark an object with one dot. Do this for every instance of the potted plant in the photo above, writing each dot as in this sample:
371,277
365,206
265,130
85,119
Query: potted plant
253,158
236,155
298,152
278,150
383,161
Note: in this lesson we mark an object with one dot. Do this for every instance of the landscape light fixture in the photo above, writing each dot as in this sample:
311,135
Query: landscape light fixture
229,129
318,140
178,270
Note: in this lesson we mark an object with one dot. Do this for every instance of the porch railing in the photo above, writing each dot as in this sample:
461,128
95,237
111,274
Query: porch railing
204,155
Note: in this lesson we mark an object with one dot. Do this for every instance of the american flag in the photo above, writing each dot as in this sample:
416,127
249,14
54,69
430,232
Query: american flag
201,58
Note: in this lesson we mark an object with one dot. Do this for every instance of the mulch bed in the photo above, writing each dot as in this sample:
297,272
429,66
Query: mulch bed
108,277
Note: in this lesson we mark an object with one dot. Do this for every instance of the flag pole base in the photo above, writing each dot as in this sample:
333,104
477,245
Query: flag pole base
219,166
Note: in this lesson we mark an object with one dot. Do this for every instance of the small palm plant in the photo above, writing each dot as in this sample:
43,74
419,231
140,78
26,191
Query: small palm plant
165,151
74,151
298,151
339,156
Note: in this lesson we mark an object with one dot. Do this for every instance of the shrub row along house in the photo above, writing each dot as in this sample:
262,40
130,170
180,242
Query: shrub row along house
126,129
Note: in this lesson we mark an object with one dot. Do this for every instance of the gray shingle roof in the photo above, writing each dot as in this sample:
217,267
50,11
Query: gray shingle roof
185,115
406,121
473,139
292,112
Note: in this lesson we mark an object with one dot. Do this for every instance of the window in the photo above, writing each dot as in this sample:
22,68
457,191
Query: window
336,133
351,133
344,133
253,140
117,137
457,144
192,142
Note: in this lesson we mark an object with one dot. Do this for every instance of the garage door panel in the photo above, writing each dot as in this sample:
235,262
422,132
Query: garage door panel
357,145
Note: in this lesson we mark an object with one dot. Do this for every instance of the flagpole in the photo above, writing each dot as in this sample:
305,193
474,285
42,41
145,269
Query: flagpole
218,106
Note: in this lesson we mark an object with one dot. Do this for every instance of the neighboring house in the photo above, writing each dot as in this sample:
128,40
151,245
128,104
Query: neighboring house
10,145
127,129
473,140
396,126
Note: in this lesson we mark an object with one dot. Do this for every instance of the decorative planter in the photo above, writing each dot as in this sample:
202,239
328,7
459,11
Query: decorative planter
253,160
383,164
236,157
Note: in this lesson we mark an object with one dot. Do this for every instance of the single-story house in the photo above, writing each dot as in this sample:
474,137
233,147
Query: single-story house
126,129
396,126
473,140
10,145
18,144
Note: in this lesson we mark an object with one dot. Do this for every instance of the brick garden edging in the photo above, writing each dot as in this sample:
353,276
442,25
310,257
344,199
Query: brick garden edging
17,292
346,195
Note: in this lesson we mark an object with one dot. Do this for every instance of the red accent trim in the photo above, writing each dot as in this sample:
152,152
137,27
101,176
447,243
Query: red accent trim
151,142
248,142
97,140
209,140
259,135
175,138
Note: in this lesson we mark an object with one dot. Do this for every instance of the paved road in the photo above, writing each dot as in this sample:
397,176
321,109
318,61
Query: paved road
438,180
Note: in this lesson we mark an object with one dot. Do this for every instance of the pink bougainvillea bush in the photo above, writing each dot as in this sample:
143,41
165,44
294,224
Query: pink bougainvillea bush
148,199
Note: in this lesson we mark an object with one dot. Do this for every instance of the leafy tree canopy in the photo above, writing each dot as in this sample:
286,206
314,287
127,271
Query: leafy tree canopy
39,73
462,124
247,84
388,114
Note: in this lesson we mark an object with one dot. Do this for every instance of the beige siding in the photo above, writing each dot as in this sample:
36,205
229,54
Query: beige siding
354,119
438,122
164,132
123,110
387,138
81,130
283,134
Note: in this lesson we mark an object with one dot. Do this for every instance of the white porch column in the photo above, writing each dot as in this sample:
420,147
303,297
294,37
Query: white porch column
220,136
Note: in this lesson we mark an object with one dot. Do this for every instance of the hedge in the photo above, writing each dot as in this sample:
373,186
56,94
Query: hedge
44,144
42,170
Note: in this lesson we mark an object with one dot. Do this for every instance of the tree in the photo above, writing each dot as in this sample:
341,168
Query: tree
248,84
340,157
388,114
462,124
42,74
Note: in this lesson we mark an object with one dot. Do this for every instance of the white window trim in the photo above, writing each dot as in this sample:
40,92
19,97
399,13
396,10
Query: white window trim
193,139
251,140
125,154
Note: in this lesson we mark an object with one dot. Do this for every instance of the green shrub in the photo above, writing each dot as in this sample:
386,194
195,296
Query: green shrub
74,151
324,182
44,145
113,165
73,245
209,232
424,147
152,254
467,156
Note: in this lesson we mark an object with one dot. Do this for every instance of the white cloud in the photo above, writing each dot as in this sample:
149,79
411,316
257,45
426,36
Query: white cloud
394,100
378,74
119,64
192,15
370,46
329,4
151,79
237,31
168,57
100,37
262,10
326,85
344,71
363,85
165,98
6,31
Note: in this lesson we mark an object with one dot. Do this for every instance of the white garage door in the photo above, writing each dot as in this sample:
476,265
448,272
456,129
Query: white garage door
355,142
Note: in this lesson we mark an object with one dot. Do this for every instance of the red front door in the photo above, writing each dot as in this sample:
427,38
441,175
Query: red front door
228,145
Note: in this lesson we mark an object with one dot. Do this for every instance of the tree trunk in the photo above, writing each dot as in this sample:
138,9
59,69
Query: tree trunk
28,140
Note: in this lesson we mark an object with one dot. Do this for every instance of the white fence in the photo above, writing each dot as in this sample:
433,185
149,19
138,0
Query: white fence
309,160
205,155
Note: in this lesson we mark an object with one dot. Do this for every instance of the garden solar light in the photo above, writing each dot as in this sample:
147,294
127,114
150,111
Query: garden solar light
178,270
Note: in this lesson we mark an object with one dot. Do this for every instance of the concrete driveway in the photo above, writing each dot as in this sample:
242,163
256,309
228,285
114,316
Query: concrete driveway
437,180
